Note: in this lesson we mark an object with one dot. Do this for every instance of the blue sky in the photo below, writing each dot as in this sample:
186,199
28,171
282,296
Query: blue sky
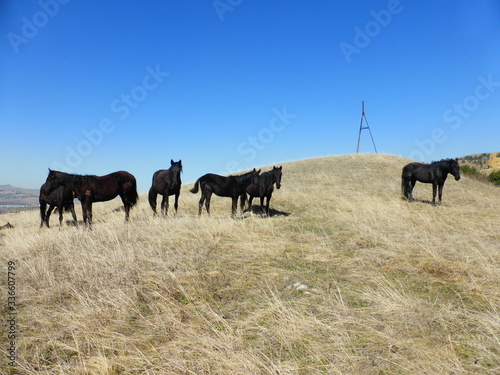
91,87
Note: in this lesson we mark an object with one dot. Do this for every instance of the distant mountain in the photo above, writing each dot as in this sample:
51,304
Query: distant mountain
12,196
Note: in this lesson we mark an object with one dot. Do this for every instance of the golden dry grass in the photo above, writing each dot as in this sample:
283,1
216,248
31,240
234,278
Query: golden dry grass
346,278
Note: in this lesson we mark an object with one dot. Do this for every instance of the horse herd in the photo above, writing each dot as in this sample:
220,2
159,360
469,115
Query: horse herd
60,189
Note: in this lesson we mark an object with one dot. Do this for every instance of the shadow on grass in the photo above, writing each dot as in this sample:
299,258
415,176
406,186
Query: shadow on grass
255,209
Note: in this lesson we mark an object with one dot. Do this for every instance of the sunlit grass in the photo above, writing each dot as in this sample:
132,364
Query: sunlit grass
344,278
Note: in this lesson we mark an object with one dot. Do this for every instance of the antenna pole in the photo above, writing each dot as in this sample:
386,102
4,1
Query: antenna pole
361,128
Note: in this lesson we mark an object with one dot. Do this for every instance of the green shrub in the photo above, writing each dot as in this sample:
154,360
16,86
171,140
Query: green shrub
494,177
467,169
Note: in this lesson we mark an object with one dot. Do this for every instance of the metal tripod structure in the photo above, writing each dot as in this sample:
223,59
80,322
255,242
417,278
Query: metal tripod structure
361,128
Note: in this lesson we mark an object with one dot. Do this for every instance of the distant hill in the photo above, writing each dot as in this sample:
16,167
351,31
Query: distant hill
16,197
482,162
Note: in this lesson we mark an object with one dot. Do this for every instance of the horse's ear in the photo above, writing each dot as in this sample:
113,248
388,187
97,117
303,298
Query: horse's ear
281,167
171,161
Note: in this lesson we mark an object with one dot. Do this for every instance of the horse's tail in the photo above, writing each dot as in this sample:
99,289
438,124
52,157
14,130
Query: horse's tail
404,186
196,186
134,197
152,198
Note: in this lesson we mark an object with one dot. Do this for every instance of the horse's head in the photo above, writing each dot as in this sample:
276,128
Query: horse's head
455,169
255,178
54,180
277,176
176,165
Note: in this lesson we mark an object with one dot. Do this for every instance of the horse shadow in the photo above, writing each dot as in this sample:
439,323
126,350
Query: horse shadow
255,209
424,201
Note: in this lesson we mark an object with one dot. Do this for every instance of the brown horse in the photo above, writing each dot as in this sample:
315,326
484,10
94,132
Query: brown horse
166,182
89,189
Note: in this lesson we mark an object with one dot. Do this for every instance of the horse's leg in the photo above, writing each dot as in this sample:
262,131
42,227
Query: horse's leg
47,216
406,188
267,204
164,204
85,213
176,202
72,209
61,209
43,207
127,206
243,198
434,191
411,185
262,211
152,200
234,206
250,199
440,187
200,203
207,202
89,214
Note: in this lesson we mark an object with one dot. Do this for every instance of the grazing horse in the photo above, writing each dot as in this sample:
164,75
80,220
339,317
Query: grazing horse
61,197
230,186
166,182
89,189
263,187
434,173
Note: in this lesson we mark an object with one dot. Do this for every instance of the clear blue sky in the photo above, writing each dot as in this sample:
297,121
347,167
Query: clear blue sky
91,87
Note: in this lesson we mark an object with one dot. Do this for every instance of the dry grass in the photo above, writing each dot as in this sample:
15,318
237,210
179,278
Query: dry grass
347,278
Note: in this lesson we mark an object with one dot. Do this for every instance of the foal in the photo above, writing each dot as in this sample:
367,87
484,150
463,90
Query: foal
264,187
231,186
61,197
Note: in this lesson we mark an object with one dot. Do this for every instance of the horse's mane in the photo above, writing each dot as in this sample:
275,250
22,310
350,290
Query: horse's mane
442,161
77,178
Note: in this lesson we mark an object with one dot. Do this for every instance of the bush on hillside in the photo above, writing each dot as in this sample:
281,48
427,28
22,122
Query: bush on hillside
467,169
494,177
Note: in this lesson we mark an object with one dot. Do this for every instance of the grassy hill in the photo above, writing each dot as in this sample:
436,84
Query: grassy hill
344,278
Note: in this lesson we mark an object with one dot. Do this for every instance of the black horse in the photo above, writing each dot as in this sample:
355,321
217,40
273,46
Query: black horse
89,189
231,186
434,173
61,197
166,182
263,187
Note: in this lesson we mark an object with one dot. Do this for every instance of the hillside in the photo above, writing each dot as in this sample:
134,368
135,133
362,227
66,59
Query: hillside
484,163
11,196
344,278
494,160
